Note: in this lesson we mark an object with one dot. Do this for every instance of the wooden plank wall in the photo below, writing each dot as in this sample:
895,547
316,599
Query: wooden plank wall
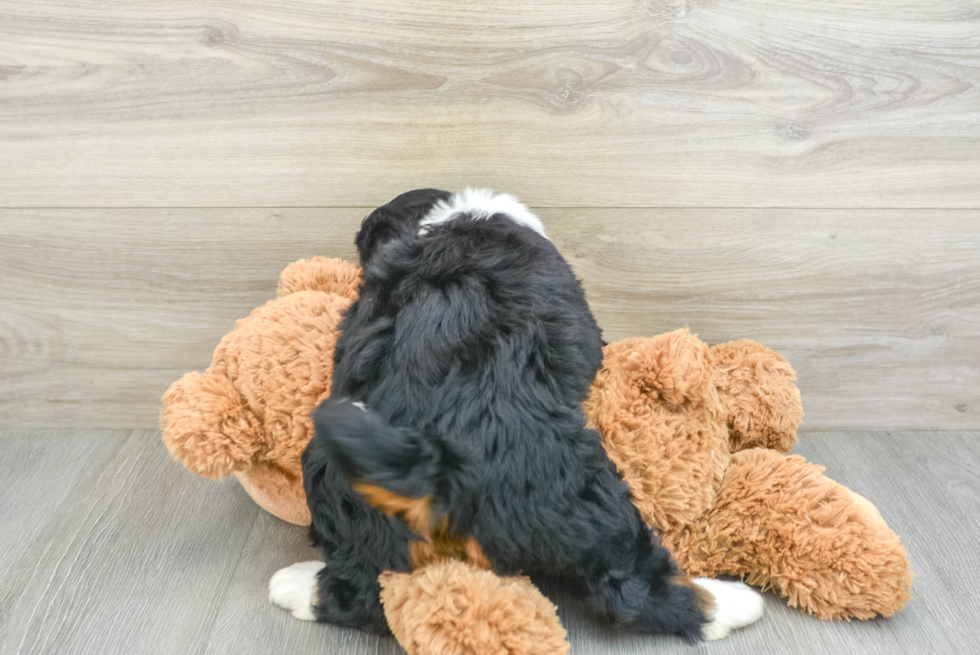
878,311
806,174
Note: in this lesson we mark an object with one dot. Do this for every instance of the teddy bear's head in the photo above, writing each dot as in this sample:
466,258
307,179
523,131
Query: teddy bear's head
249,413
671,411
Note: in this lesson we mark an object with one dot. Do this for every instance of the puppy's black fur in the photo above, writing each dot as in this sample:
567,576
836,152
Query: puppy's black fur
460,374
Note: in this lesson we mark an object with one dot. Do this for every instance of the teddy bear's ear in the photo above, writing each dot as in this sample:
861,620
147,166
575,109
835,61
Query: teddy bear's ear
207,427
673,368
761,403
320,274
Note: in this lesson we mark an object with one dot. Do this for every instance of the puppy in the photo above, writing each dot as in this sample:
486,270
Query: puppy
455,428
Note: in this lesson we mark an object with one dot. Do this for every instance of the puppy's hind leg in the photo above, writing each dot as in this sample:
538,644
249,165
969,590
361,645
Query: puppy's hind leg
358,542
636,581
295,588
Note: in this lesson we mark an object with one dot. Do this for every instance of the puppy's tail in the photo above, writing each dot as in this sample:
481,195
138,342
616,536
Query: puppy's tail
405,461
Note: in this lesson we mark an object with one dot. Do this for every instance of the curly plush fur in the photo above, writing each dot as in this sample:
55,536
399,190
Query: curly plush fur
761,405
641,392
846,564
450,608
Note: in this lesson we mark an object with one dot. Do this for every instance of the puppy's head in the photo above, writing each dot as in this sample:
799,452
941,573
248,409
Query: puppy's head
398,218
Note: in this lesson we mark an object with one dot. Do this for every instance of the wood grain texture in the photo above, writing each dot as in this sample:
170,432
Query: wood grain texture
134,555
101,310
878,310
134,559
38,472
569,103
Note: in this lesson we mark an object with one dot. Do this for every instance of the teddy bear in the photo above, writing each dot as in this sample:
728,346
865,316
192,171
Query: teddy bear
699,434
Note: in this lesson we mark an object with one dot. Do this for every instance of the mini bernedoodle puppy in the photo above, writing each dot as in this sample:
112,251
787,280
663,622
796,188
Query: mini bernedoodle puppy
456,414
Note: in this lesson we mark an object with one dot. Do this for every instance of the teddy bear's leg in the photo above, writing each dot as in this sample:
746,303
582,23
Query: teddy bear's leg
779,523
761,404
358,543
452,607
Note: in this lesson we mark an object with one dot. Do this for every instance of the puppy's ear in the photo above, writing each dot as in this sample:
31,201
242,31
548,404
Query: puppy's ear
398,218
381,226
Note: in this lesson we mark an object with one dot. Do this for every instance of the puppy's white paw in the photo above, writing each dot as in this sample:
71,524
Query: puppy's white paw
736,605
294,588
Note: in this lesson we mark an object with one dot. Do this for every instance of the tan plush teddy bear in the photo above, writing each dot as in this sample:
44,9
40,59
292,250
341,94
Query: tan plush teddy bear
698,433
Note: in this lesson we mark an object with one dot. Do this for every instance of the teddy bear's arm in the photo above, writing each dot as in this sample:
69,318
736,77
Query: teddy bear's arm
779,523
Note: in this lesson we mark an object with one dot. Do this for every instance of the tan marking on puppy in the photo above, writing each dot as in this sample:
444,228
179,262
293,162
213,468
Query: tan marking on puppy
438,542
421,553
475,556
415,512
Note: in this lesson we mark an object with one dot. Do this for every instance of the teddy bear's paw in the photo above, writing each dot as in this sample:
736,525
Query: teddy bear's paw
294,588
736,605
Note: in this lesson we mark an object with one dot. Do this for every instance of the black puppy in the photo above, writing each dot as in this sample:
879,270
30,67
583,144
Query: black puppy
455,427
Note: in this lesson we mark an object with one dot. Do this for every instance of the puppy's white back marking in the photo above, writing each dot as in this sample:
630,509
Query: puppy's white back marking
481,204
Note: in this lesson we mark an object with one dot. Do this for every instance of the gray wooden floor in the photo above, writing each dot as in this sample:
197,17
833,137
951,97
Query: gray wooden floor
107,546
